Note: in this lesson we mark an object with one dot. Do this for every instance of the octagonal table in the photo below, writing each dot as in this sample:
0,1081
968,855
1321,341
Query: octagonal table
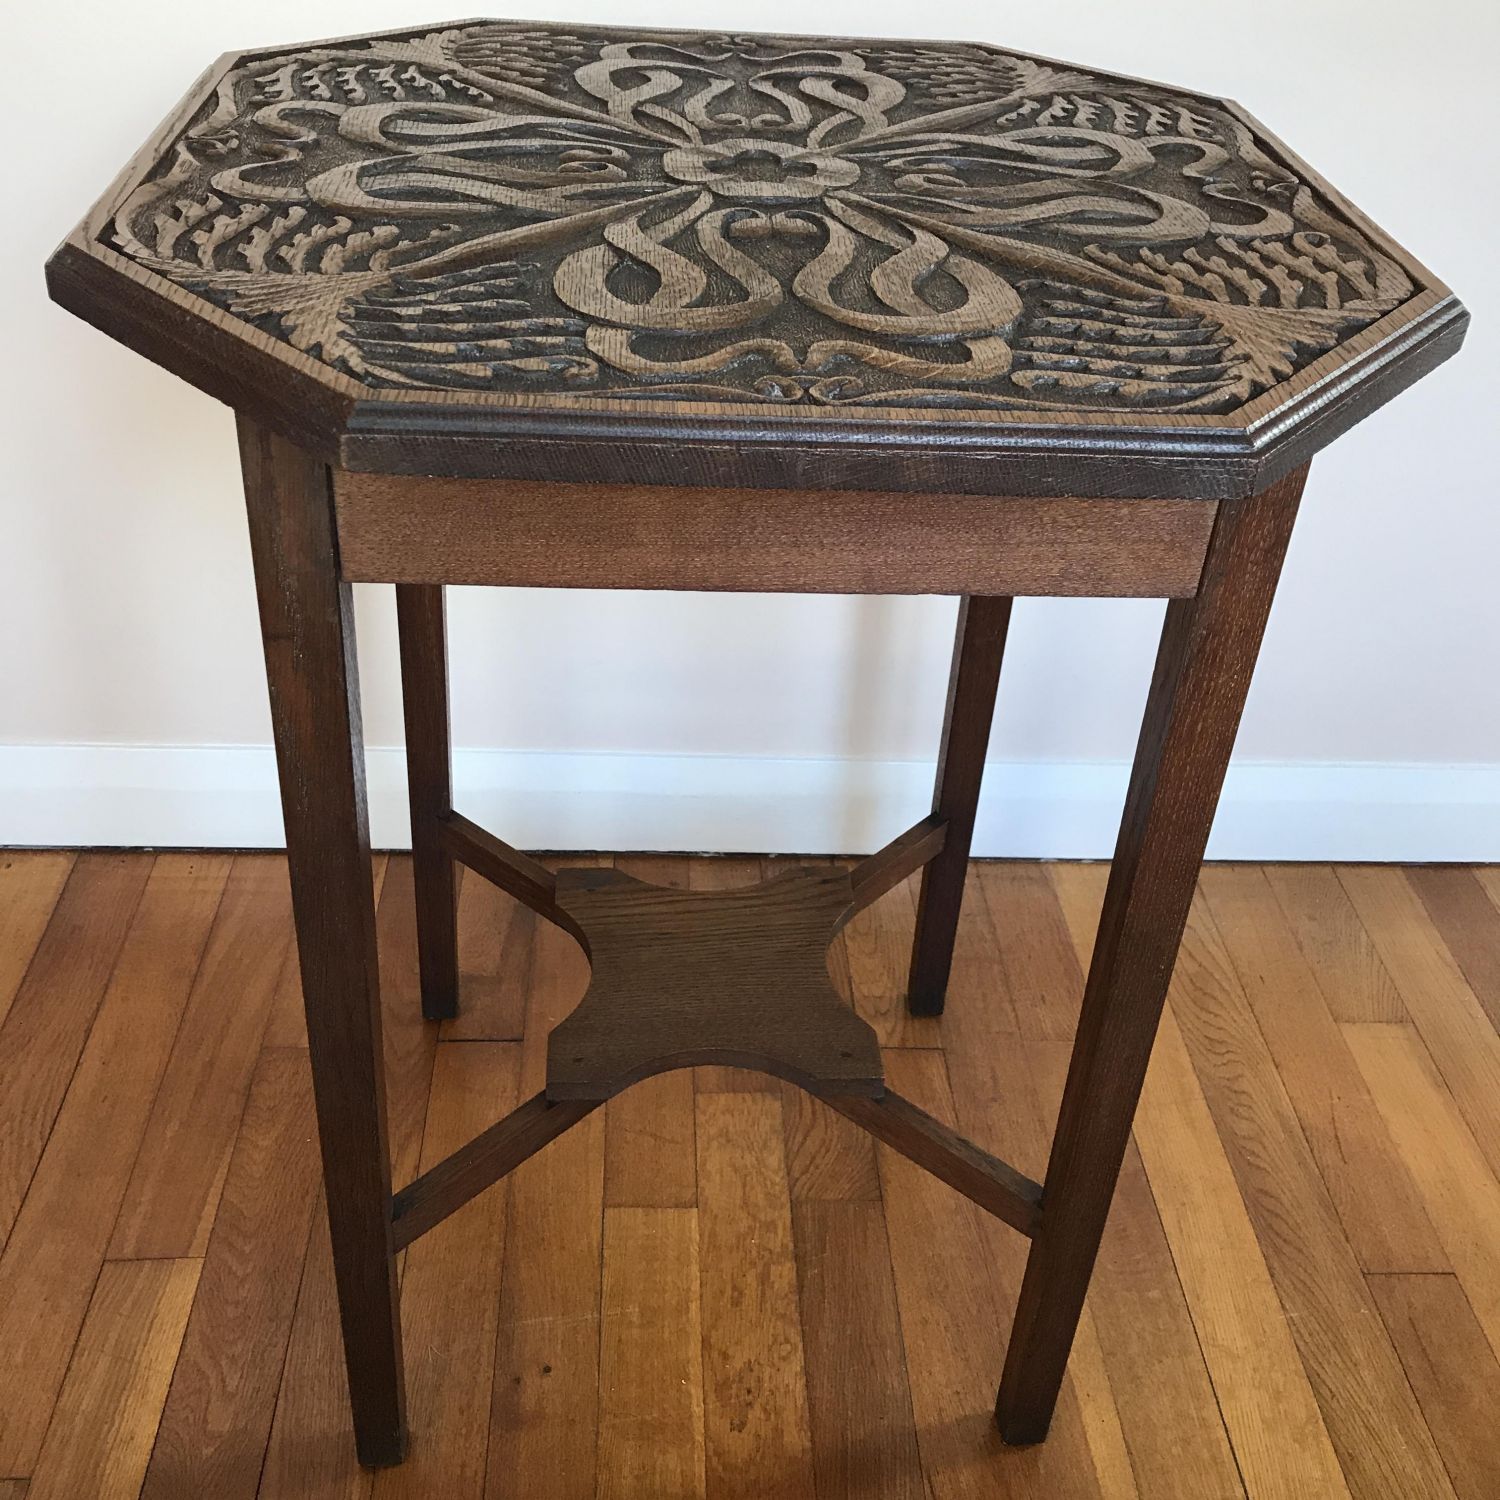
516,304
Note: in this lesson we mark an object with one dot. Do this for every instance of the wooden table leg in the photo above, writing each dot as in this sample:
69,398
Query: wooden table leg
1208,649
422,624
307,626
977,650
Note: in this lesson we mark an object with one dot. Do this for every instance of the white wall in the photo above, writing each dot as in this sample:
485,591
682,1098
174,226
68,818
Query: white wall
669,721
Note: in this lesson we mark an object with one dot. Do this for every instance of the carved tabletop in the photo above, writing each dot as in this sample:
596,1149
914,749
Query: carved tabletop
819,259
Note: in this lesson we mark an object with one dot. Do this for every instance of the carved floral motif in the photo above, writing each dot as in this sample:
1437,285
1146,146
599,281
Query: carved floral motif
506,208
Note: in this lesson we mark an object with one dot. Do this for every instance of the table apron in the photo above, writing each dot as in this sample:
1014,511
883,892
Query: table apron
404,529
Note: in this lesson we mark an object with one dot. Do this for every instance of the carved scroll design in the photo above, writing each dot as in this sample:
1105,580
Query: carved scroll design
507,208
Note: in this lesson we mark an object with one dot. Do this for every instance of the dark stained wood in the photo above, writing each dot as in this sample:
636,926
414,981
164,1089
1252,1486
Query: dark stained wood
1003,1191
978,647
1156,345
423,633
515,873
1208,650
494,963
878,873
307,625
54,1008
735,977
445,1187
397,529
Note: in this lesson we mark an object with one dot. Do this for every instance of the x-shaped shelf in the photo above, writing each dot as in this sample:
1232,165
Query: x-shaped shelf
735,977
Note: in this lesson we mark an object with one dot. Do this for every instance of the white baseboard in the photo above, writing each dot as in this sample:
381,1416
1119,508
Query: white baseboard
224,796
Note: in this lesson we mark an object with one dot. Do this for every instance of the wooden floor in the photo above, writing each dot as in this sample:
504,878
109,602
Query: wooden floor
716,1288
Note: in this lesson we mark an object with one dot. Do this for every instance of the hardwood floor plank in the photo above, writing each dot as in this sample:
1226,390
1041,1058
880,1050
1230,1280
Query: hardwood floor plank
107,1414
1349,971
1468,922
12,1489
217,1418
170,1200
648,1144
877,944
49,1019
1462,1194
286,1026
1372,1192
1269,1407
827,1156
954,1326
31,880
1155,1370
1377,1430
51,1262
310,1453
450,1289
409,1042
544,1410
651,1440
494,962
1453,1371
863,1431
1452,1024
757,1434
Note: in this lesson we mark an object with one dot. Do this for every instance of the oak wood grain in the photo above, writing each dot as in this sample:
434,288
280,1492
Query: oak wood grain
1158,1392
651,1439
168,1206
952,1314
49,1020
1468,921
53,1257
111,1402
450,1290
1371,1417
1453,1025
403,529
757,1434
1372,1192
30,883
544,1410
1452,1368
1452,1171
863,1431
1343,959
217,1416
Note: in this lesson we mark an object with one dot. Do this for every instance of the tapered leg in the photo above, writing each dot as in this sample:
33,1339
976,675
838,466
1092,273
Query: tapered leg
977,650
422,624
307,626
1208,649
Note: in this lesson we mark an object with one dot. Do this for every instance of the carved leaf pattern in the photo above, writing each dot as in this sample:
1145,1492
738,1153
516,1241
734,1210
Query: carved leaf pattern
510,207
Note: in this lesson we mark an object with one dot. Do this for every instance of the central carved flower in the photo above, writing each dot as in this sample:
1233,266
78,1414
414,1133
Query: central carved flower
760,171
